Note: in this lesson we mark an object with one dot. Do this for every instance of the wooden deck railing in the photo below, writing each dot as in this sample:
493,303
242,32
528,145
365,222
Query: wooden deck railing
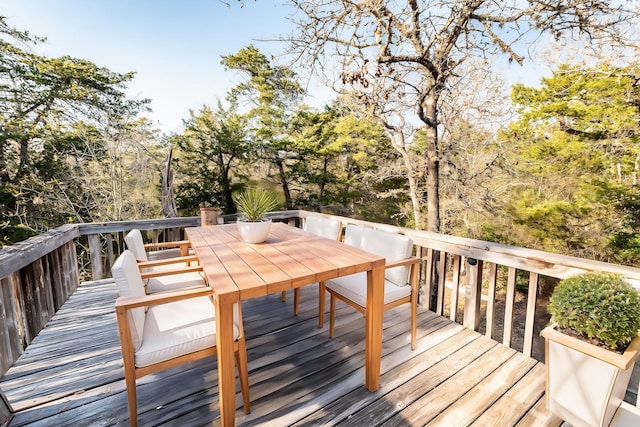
473,282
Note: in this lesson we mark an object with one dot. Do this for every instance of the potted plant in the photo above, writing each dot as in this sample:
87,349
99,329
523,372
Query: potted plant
253,204
590,347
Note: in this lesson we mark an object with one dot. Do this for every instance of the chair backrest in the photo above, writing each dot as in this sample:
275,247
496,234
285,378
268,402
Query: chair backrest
135,244
393,247
325,227
126,274
353,235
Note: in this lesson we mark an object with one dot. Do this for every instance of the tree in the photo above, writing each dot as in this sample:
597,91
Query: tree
398,55
578,150
271,93
212,151
50,106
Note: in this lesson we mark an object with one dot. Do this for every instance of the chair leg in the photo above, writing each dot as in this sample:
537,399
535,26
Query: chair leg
332,315
243,374
414,321
130,381
283,297
296,300
321,299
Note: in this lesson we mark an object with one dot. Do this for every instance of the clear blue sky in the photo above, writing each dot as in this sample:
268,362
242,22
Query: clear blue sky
174,46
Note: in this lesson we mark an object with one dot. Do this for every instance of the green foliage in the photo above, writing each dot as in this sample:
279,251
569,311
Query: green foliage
597,305
61,118
211,160
254,203
575,150
271,92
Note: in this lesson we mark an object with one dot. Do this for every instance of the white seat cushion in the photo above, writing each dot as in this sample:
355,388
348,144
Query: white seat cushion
177,328
174,282
354,287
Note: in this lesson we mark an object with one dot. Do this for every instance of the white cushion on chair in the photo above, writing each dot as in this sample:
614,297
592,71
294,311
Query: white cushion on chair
354,287
127,277
325,227
175,281
393,247
135,244
353,235
177,328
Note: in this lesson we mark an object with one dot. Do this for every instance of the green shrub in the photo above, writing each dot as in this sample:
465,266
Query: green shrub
597,305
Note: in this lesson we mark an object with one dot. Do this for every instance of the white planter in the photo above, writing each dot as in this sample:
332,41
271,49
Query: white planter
585,384
254,232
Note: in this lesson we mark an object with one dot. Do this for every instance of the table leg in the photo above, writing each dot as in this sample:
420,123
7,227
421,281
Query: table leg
374,317
226,362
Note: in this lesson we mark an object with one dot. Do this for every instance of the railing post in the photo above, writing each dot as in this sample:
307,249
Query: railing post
473,294
95,253
429,279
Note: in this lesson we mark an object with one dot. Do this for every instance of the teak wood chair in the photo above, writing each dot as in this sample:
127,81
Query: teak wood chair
401,276
167,278
324,227
163,330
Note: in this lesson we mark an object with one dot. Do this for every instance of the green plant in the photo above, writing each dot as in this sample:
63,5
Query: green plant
253,203
597,305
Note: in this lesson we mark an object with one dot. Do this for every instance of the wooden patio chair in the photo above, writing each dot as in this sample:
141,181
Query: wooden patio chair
168,280
401,276
324,227
164,330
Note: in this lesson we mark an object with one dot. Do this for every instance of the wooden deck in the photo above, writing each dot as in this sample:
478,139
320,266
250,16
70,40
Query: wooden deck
71,374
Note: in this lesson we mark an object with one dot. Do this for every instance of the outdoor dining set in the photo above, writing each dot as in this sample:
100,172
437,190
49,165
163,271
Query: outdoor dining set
176,310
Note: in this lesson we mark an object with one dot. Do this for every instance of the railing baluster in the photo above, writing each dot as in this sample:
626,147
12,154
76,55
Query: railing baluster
532,296
491,298
455,287
442,276
428,277
508,307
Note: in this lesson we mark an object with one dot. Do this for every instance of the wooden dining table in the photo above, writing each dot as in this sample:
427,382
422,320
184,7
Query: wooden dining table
289,258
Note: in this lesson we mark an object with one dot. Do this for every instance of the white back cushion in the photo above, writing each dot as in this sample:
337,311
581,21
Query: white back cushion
135,244
127,276
393,247
325,227
353,235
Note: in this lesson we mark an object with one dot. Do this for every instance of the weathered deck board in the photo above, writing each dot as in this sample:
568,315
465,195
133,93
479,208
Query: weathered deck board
71,374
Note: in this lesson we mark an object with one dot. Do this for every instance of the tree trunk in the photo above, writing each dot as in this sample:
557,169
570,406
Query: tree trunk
432,165
284,183
168,200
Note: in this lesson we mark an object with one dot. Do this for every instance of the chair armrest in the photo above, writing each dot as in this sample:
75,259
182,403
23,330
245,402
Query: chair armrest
179,270
184,246
403,262
175,244
127,303
167,261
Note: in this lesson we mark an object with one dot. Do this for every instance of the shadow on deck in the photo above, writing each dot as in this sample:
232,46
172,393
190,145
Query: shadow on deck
72,373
